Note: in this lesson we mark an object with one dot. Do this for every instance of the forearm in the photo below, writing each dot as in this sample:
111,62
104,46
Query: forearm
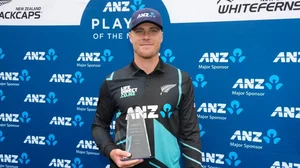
102,120
189,128
103,139
191,148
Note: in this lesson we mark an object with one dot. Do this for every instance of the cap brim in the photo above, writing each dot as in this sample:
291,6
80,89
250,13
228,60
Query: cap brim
147,21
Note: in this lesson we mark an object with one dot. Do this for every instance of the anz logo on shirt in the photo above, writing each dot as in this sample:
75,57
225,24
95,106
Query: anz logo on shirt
149,111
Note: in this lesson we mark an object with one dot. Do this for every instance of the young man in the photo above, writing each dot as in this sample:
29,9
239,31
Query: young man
163,93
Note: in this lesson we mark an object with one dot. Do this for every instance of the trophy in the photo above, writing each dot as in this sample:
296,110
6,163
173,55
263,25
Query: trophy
137,142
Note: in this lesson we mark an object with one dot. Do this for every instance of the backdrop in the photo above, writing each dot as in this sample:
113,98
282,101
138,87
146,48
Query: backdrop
242,55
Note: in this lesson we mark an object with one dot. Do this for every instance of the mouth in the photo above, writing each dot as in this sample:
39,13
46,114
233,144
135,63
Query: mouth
146,44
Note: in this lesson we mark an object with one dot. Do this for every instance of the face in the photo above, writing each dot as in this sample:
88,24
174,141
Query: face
146,39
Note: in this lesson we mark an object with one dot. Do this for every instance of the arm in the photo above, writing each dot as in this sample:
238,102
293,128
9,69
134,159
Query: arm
102,120
101,127
189,134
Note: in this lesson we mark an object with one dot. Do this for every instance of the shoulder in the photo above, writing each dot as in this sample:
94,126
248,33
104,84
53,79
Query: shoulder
119,73
113,77
184,75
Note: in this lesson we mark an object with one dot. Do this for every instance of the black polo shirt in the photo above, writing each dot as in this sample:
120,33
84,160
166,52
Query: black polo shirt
166,98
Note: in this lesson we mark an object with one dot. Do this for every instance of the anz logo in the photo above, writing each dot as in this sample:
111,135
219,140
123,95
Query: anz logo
258,84
96,56
14,159
15,118
6,117
142,112
41,140
212,108
87,144
286,112
221,108
89,57
214,158
67,78
149,111
123,6
60,163
15,76
218,111
279,164
251,136
41,98
287,57
93,59
168,56
223,57
246,83
214,57
66,163
87,101
220,159
167,111
67,121
41,55
255,136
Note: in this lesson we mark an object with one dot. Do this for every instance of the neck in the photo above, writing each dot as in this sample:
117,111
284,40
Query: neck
147,65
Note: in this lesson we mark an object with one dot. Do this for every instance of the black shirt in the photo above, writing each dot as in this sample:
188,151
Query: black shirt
166,97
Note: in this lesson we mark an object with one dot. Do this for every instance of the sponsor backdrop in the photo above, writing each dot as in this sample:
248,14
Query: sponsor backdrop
242,55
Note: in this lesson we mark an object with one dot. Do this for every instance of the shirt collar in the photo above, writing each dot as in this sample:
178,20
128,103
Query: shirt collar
159,67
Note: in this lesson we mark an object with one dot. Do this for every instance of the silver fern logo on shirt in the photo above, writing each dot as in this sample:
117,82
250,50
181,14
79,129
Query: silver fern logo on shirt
166,88
127,91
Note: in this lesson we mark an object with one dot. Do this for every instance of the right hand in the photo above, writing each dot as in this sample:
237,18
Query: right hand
117,154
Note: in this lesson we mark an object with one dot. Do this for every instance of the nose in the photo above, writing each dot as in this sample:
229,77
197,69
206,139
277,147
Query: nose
146,36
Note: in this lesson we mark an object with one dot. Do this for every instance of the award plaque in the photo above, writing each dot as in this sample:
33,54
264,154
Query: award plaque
137,142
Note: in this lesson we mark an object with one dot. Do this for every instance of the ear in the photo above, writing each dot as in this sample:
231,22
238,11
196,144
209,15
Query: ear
130,37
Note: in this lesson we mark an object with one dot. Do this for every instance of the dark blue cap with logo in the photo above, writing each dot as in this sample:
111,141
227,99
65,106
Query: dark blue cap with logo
145,15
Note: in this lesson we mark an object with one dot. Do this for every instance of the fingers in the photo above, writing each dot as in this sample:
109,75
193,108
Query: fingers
118,154
123,153
130,163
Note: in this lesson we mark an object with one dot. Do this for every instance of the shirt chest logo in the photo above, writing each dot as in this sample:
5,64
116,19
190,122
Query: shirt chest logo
127,91
166,88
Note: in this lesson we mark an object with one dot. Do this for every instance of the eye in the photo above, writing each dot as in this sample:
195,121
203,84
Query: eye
138,31
153,30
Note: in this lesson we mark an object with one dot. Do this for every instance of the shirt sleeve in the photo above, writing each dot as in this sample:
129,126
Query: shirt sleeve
189,131
102,120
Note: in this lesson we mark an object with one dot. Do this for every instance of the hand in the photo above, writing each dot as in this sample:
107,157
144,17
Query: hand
116,155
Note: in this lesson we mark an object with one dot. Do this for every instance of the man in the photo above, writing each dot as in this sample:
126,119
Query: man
162,91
